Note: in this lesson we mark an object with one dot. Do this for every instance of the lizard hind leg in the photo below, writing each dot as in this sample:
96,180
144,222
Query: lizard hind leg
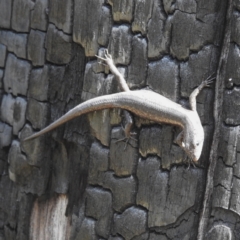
127,129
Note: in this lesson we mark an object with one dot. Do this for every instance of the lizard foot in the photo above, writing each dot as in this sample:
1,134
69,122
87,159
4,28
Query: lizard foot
190,162
208,81
108,58
127,139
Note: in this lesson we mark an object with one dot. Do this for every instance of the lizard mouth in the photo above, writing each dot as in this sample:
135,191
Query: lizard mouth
195,160
194,156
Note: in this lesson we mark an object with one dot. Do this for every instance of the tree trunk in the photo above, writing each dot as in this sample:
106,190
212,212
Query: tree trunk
79,182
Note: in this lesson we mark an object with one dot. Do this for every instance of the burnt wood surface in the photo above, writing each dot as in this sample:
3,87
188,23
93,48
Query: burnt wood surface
78,182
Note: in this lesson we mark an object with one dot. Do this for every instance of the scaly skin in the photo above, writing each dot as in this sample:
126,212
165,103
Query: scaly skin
148,105
145,104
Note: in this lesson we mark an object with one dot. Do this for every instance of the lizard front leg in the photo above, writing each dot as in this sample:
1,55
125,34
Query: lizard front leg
179,139
192,97
122,84
120,79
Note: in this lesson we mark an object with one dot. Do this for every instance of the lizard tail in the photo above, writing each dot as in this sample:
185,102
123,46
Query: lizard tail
91,105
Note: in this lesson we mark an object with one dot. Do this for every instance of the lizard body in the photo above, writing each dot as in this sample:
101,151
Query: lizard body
145,104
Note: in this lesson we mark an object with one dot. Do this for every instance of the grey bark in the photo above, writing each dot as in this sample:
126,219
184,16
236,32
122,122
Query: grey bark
78,182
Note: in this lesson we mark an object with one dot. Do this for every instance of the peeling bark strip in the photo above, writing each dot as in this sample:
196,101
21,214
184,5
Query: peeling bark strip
48,220
218,103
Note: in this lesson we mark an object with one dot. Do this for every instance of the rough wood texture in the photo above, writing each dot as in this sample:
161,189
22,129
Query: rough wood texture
21,10
16,43
98,206
60,14
16,75
36,51
78,182
39,15
5,13
3,51
221,74
122,10
137,69
85,25
58,46
120,44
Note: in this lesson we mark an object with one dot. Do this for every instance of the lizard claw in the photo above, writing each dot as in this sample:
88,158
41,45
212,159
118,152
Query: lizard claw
190,162
193,164
208,81
128,134
126,140
103,64
107,56
101,58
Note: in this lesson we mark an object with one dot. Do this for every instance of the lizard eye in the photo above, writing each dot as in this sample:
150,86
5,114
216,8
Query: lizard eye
197,144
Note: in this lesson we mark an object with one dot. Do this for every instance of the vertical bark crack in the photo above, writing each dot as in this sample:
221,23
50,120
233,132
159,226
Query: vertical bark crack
218,102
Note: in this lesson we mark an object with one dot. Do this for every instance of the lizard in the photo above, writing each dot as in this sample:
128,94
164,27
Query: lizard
145,104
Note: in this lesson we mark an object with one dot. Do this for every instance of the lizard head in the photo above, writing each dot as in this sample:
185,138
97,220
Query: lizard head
194,149
192,138
194,142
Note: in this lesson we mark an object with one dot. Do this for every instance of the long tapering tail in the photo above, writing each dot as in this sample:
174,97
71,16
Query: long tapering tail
65,118
145,104
91,105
